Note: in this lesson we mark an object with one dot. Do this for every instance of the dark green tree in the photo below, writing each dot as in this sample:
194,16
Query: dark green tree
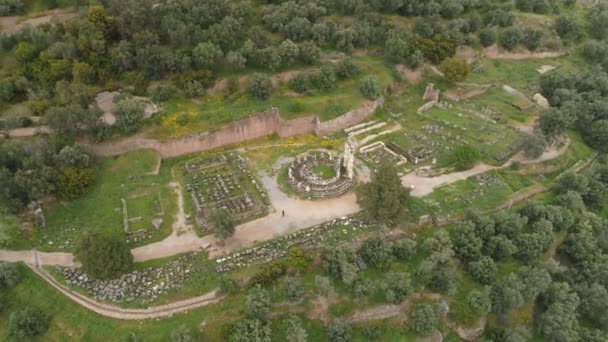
423,319
248,330
295,332
370,87
223,223
404,250
483,270
511,37
260,86
129,114
103,256
339,331
26,323
455,69
9,274
376,252
384,197
487,37
257,304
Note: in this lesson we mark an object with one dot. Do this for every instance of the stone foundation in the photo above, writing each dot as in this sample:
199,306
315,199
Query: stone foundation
304,181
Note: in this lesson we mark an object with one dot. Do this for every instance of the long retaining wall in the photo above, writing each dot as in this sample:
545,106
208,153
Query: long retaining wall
256,126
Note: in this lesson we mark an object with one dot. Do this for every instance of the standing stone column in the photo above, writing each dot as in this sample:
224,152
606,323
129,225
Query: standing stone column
349,156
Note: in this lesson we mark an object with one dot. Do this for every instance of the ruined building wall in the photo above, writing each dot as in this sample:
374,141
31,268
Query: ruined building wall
256,126
355,116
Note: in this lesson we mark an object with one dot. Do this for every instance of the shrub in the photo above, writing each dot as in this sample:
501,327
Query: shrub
346,68
103,256
297,259
455,69
73,182
484,270
163,93
339,331
376,252
464,157
294,289
129,115
324,287
257,304
9,274
228,285
511,37
182,334
27,322
324,79
405,249
269,273
487,37
370,87
182,119
260,86
423,319
247,330
299,84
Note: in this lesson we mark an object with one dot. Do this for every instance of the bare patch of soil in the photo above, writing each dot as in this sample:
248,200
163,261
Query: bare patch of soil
413,76
320,310
545,69
105,102
464,92
467,53
15,23
376,313
496,53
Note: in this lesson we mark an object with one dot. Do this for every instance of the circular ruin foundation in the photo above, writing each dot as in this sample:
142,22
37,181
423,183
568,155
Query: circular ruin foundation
321,174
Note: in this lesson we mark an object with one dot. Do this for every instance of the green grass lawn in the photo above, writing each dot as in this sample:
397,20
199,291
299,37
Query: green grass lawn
122,177
11,236
456,198
211,112
324,171
71,322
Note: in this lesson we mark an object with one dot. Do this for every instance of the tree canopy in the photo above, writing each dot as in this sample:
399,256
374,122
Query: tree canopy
103,256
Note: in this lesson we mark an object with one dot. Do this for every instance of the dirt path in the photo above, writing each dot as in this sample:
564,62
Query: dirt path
299,214
495,53
425,185
13,24
116,312
28,257
27,131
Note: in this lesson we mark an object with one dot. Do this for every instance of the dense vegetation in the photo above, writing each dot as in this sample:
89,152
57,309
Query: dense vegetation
33,170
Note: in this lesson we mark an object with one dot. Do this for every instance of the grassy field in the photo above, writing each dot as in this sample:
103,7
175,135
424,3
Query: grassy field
211,112
11,236
123,177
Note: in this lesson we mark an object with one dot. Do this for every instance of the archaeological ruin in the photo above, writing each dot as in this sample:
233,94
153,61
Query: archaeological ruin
224,182
321,174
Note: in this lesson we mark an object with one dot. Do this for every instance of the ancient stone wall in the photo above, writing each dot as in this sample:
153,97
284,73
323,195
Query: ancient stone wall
365,110
256,126
290,128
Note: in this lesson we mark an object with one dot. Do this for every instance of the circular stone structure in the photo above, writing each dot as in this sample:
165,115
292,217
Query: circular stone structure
303,178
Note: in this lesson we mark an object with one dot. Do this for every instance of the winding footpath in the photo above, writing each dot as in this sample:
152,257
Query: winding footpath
423,186
122,313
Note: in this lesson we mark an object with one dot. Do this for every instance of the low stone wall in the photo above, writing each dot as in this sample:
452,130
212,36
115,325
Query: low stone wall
256,126
365,110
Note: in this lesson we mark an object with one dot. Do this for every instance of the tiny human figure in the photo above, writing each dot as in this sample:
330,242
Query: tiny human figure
283,213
